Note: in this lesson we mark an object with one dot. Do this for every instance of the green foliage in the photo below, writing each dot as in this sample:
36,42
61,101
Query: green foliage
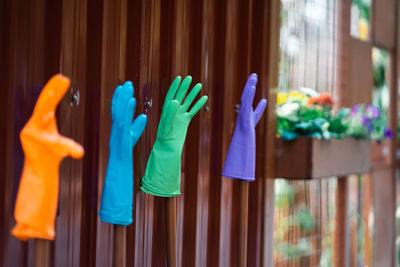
305,219
364,6
283,193
297,118
294,251
380,63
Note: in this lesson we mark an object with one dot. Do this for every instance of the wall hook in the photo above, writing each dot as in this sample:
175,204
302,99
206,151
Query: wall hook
148,104
75,99
237,108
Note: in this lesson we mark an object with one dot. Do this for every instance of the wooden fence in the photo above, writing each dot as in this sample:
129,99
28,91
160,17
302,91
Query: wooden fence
100,44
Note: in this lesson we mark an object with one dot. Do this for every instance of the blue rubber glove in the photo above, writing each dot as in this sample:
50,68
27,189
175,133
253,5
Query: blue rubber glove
117,198
240,162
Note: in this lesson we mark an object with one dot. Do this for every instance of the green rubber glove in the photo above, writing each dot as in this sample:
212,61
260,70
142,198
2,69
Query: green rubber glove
163,171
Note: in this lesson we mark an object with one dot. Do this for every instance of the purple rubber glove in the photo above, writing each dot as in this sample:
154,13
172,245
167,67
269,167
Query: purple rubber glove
241,159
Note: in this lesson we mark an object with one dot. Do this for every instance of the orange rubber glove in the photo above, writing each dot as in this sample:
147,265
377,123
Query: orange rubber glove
44,148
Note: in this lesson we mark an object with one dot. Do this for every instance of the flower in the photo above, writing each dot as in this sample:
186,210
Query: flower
388,133
324,99
308,92
372,112
363,29
365,120
281,98
354,110
293,96
287,109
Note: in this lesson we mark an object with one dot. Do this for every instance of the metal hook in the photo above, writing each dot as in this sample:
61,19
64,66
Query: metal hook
75,98
148,104
237,108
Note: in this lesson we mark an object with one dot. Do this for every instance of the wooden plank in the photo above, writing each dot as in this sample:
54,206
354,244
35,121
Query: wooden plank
171,246
90,178
150,219
5,117
258,60
345,81
244,205
384,229
42,253
204,36
113,62
215,57
73,65
341,239
271,72
383,27
311,158
360,88
119,246
234,79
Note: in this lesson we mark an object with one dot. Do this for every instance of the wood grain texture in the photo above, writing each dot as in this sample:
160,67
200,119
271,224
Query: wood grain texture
42,253
119,246
311,158
100,44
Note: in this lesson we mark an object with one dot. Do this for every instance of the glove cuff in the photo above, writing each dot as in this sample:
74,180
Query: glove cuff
163,172
240,161
107,218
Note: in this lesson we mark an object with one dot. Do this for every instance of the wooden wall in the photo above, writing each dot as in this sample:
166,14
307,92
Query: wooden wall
99,44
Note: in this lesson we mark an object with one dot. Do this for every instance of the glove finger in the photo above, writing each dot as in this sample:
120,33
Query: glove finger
131,110
124,101
129,89
172,90
249,98
168,120
51,95
260,109
183,89
170,96
70,147
137,128
251,81
114,102
198,106
192,95
119,103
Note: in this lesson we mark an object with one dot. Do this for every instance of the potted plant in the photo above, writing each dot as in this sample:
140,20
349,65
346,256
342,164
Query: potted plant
314,141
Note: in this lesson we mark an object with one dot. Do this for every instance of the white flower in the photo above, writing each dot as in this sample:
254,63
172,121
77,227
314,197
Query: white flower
287,109
308,92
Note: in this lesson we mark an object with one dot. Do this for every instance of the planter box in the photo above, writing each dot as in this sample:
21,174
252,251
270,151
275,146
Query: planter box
381,154
309,158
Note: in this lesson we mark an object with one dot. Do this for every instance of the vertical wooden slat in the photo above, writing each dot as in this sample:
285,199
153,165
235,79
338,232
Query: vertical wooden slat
12,249
73,65
42,253
171,245
150,211
230,84
216,103
90,179
243,224
257,27
206,184
119,246
270,73
5,120
133,66
341,241
100,43
385,36
112,74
